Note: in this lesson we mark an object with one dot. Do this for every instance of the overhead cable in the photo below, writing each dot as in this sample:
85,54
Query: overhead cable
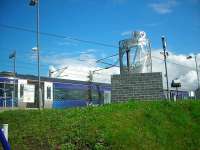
58,36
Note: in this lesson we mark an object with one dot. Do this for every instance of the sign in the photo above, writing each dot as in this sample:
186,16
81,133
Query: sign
29,93
175,83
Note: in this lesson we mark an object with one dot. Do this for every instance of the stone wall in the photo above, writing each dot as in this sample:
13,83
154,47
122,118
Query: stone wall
142,86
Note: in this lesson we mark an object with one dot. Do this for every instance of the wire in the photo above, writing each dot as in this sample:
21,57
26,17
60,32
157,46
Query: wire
58,36
23,64
174,63
111,66
108,63
107,57
104,68
81,40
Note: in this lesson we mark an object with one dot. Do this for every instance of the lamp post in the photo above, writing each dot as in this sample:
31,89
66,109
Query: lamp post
195,58
13,56
36,3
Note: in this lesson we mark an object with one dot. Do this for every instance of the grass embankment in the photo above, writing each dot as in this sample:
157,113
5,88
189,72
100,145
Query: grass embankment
132,125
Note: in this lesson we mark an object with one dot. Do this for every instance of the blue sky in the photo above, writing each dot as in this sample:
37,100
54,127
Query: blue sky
106,21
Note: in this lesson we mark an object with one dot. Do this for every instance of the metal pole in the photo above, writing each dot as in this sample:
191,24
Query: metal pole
120,57
197,70
14,61
4,95
150,56
12,98
5,131
38,54
166,74
5,100
90,80
128,59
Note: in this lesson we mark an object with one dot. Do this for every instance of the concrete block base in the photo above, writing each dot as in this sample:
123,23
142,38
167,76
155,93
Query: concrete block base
137,86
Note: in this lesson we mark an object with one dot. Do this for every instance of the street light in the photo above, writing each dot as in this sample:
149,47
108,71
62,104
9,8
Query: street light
36,3
13,56
195,58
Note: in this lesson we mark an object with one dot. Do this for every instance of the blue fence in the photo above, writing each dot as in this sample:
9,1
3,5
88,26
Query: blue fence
81,86
8,80
179,94
69,103
73,103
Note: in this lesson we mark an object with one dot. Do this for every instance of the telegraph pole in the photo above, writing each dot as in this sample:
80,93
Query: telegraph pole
14,61
90,79
165,54
197,70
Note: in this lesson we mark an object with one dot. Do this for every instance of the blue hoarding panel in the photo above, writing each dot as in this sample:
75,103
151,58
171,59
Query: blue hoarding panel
68,103
8,80
81,86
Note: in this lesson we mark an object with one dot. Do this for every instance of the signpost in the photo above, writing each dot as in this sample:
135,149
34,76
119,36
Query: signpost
29,93
176,84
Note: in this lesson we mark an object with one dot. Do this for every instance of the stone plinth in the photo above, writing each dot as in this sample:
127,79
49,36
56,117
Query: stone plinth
137,86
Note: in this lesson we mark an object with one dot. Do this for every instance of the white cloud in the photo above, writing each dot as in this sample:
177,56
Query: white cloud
79,67
165,7
178,67
127,33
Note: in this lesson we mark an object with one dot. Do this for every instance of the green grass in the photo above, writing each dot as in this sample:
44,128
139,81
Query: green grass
133,125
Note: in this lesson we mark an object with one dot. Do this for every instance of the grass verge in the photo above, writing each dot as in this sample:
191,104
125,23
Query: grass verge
131,125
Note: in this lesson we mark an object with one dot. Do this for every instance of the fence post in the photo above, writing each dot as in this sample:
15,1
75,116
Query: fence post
12,102
5,131
4,137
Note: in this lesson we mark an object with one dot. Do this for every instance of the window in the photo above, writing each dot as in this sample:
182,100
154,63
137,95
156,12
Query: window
48,92
76,94
1,90
1,93
70,94
21,90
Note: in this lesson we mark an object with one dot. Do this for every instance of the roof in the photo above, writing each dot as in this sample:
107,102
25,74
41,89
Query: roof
47,79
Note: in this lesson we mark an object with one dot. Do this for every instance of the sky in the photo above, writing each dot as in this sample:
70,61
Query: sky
101,21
